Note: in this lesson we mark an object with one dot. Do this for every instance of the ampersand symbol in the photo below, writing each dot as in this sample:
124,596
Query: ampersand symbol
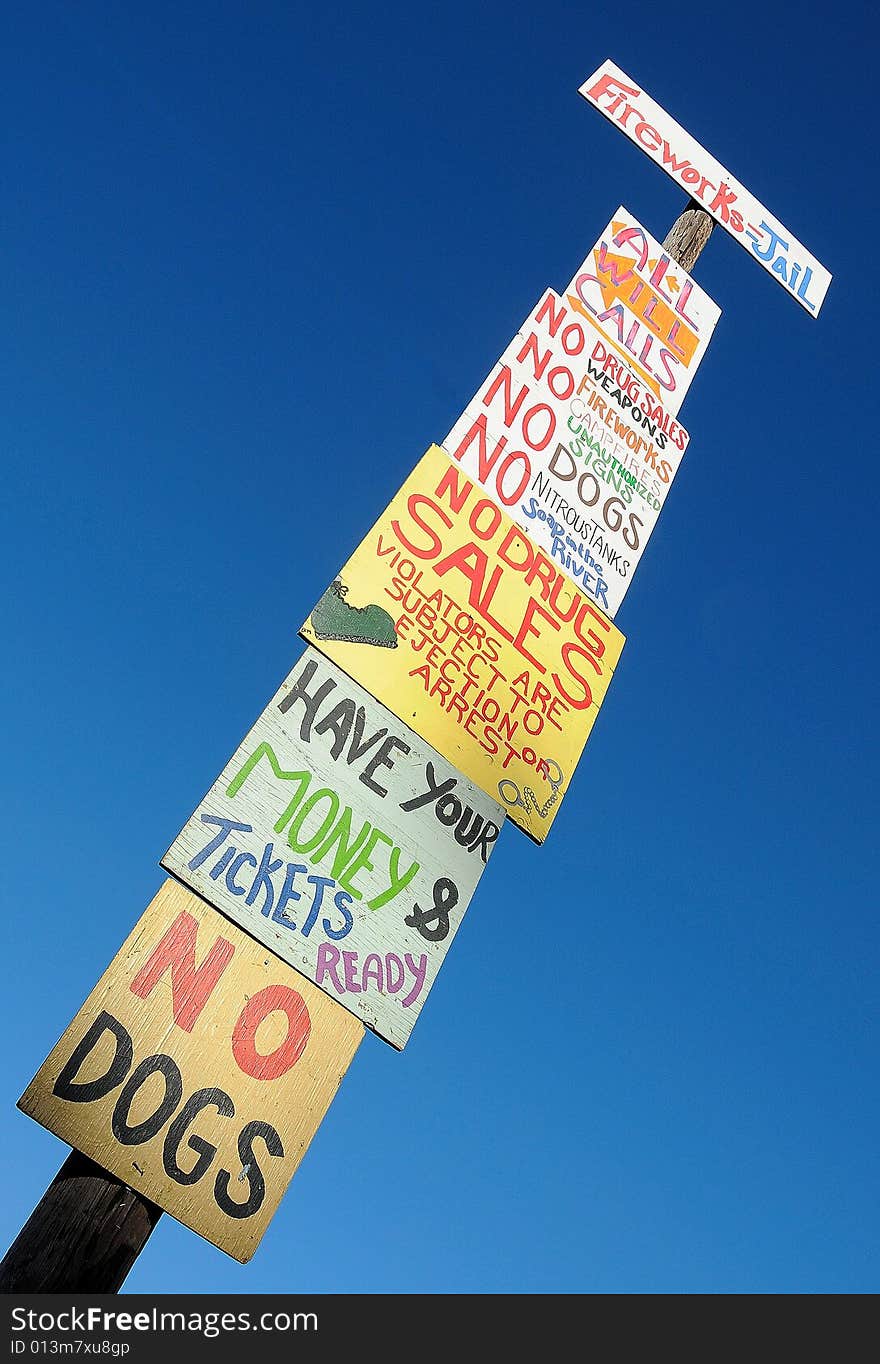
445,899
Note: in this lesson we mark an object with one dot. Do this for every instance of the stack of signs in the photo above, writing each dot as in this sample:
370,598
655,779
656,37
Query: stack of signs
460,660
575,431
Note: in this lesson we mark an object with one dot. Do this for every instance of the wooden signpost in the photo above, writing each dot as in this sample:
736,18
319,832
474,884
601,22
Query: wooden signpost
460,660
197,1071
337,838
450,613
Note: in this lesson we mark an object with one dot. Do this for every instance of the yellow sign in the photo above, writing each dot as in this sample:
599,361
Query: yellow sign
456,620
197,1071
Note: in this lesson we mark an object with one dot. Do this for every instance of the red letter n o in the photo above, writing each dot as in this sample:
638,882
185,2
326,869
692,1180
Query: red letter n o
259,1006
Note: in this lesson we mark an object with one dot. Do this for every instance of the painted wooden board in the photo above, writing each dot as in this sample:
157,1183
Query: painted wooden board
652,320
581,463
621,100
453,617
340,840
197,1071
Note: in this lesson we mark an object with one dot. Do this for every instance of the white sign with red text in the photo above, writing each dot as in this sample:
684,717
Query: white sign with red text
617,96
574,446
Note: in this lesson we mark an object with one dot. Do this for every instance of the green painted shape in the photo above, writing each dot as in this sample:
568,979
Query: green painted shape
334,619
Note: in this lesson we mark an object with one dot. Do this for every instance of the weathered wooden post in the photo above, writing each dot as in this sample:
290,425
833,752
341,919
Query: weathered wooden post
83,1236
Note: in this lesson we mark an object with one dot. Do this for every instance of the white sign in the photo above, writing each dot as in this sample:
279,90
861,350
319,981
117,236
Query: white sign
340,840
645,307
618,97
575,447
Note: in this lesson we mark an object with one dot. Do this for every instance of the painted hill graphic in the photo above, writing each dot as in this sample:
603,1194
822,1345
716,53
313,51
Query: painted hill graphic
334,619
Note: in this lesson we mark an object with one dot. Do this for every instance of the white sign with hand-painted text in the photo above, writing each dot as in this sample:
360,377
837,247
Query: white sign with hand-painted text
617,96
645,308
574,445
343,842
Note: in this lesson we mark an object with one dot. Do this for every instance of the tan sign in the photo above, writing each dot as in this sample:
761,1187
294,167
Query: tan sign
197,1071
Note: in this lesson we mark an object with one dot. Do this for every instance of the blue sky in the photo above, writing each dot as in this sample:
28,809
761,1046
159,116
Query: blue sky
255,260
